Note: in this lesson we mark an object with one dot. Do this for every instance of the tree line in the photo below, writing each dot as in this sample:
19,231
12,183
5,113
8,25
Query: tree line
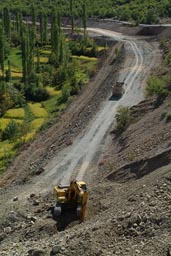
136,10
30,37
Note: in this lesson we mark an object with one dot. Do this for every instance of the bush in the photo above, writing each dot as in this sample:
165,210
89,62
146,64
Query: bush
66,91
11,131
122,120
15,39
156,86
36,94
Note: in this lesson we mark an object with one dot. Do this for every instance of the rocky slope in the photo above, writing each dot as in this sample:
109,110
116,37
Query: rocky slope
129,207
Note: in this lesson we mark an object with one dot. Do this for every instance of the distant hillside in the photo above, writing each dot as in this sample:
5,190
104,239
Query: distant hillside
139,11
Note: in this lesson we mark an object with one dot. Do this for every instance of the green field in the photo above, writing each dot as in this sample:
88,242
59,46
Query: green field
38,77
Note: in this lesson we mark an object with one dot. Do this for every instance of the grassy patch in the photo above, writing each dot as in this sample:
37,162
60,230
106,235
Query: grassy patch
98,48
45,52
38,110
51,104
101,48
5,121
42,59
52,91
16,113
84,58
6,154
15,58
16,74
29,136
37,123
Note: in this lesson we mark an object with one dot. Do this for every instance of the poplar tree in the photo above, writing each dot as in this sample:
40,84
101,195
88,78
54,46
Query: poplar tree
72,15
33,15
30,57
38,60
8,72
6,22
27,49
45,33
84,18
53,27
24,56
2,49
41,28
17,21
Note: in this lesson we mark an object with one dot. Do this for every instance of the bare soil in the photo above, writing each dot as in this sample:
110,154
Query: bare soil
129,205
71,122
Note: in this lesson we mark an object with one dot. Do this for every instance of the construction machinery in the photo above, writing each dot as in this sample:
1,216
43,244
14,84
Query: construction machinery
71,197
118,89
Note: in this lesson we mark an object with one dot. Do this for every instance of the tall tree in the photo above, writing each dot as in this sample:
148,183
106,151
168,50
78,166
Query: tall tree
24,55
8,72
45,32
38,60
53,27
41,27
6,22
2,49
84,17
27,48
72,15
33,15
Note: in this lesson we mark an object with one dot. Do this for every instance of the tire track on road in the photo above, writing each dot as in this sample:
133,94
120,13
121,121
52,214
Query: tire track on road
74,161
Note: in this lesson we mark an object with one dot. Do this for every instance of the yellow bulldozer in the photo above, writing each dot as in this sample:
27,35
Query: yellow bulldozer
71,197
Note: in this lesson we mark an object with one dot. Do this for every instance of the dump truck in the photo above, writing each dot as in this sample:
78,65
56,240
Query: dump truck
118,89
71,197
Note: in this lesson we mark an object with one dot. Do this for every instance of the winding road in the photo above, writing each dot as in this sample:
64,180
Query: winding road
75,160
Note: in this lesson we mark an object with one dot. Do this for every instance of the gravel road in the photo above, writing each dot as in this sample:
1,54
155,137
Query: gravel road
75,161
78,160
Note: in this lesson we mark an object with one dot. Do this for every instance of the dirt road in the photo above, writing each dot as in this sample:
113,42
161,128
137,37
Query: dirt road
80,159
76,160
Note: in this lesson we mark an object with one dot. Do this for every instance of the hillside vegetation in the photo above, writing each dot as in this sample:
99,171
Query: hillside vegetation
136,10
41,70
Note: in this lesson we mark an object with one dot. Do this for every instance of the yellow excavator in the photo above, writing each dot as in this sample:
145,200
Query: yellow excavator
73,196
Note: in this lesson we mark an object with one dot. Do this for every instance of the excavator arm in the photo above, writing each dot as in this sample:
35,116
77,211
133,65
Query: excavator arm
73,195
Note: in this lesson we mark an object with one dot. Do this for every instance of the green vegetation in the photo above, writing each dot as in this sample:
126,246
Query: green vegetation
38,110
15,113
11,131
122,120
160,84
40,70
135,10
156,86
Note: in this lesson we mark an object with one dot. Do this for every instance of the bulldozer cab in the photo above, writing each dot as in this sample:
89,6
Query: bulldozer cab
72,197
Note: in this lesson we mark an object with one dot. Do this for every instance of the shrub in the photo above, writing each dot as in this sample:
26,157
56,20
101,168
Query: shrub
122,120
36,93
66,91
156,86
11,131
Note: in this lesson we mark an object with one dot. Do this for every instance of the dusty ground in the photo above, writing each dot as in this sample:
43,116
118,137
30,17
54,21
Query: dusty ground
129,208
35,155
126,216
